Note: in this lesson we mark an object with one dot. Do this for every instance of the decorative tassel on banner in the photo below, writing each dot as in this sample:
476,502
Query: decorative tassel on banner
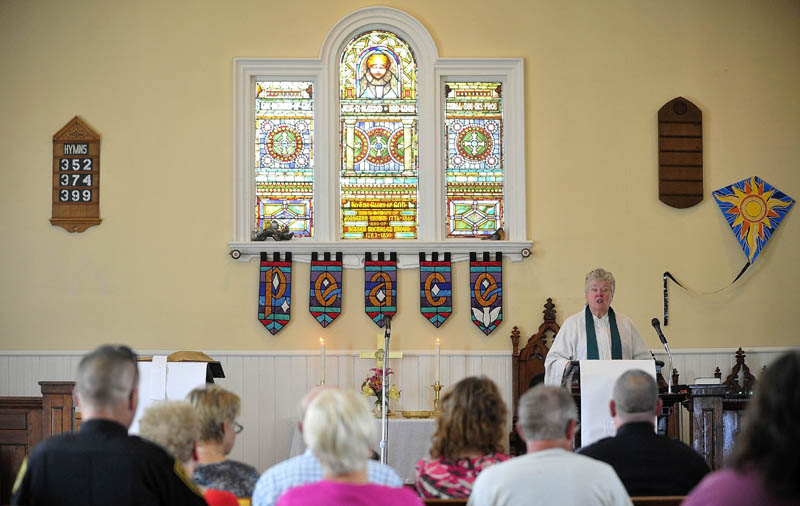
275,291
486,291
435,302
325,303
380,286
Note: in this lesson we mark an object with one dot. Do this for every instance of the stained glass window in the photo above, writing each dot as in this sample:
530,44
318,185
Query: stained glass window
378,113
284,155
474,158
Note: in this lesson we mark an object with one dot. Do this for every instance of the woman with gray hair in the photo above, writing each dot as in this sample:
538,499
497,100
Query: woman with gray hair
340,430
596,332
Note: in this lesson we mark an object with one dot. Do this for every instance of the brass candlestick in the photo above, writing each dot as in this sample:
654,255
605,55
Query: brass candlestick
436,388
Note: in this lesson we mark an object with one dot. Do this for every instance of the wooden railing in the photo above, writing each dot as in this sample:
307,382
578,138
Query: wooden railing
25,421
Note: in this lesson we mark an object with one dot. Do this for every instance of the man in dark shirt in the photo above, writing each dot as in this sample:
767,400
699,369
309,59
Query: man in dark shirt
101,464
647,464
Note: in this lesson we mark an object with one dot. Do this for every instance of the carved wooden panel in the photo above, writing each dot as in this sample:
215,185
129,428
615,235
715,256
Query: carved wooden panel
76,177
680,153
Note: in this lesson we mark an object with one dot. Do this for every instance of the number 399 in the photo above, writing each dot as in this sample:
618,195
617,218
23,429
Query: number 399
75,196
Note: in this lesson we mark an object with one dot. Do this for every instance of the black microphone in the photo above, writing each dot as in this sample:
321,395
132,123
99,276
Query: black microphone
657,325
387,323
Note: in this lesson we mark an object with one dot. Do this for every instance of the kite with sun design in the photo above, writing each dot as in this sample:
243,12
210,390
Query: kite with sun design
753,209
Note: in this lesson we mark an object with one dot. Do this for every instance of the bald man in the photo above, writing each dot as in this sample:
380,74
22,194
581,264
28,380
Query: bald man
647,464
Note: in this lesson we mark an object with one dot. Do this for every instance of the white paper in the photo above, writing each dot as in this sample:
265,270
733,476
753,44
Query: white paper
158,378
176,380
597,386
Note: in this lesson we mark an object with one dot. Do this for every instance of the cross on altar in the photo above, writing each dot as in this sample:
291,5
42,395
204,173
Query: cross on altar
378,354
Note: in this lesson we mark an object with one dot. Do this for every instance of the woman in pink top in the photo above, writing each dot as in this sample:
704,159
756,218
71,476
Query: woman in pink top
469,437
765,468
339,429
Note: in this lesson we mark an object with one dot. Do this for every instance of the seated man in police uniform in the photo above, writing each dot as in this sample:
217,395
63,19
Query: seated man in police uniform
101,464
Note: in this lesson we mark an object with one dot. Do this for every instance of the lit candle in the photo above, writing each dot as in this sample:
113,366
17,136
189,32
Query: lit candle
437,360
322,358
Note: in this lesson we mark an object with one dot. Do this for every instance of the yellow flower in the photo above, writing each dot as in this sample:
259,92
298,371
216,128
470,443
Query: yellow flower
366,390
393,393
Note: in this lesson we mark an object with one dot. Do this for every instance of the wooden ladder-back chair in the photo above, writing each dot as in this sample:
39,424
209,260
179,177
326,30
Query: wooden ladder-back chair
528,366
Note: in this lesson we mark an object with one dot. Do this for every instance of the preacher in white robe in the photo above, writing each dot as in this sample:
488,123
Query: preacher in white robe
570,343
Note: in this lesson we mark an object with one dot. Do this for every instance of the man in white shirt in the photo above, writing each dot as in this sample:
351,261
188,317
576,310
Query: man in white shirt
549,473
597,332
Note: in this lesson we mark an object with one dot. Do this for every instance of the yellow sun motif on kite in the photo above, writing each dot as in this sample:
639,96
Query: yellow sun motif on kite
753,209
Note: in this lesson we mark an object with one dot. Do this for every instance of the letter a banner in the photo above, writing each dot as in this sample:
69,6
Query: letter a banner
325,303
486,291
380,286
435,302
275,291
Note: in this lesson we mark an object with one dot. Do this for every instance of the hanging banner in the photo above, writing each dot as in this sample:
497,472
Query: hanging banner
380,286
325,303
275,291
486,291
435,302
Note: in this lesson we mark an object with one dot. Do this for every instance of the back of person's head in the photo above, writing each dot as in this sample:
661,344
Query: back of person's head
107,376
339,429
172,425
214,406
545,412
635,396
473,417
770,435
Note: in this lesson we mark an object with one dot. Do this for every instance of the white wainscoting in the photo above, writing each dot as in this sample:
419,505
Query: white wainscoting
271,383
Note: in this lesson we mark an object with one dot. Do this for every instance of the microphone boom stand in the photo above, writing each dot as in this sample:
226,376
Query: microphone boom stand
384,444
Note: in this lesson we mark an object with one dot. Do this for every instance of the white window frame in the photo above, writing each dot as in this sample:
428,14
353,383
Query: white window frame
432,72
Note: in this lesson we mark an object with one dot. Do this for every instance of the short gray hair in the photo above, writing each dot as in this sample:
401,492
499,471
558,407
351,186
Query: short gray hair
635,392
174,426
545,412
339,429
107,375
600,274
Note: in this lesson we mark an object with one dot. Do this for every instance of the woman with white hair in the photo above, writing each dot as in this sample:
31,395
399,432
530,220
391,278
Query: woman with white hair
596,332
339,429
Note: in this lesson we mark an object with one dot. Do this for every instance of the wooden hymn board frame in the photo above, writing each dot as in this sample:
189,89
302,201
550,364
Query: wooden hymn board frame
76,177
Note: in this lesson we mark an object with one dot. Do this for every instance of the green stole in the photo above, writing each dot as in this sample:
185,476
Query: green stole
591,338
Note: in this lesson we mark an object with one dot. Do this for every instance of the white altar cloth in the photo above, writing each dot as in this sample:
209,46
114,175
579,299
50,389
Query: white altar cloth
409,440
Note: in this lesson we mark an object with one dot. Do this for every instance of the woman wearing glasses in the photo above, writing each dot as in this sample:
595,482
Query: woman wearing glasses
217,410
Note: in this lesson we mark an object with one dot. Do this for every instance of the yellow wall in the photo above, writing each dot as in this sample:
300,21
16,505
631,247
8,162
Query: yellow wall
154,78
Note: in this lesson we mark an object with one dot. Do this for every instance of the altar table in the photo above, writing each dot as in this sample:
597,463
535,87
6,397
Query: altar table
409,440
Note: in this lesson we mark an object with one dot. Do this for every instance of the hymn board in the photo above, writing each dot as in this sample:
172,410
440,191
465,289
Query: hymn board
76,177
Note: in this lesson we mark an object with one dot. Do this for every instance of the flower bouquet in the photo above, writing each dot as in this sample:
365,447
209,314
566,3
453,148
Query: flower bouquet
373,386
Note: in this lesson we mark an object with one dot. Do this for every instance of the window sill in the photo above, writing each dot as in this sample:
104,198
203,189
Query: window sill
407,251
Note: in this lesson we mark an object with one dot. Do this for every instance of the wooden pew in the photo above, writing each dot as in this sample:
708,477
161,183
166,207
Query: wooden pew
24,421
658,500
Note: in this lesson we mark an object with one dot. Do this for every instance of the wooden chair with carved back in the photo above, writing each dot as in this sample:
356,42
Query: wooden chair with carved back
528,366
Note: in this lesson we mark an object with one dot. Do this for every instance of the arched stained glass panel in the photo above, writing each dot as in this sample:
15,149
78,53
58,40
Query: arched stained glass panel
474,158
284,155
378,114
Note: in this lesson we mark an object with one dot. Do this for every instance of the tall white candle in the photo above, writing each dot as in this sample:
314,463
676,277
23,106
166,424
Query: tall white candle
322,358
437,360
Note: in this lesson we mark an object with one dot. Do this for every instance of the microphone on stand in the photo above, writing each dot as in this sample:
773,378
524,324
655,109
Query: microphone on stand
387,324
384,444
657,325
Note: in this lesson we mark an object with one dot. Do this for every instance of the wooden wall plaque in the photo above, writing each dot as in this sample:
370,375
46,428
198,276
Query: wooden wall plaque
680,153
76,177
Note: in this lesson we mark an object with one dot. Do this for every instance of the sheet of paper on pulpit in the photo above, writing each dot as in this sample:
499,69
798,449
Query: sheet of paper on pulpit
597,386
161,380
